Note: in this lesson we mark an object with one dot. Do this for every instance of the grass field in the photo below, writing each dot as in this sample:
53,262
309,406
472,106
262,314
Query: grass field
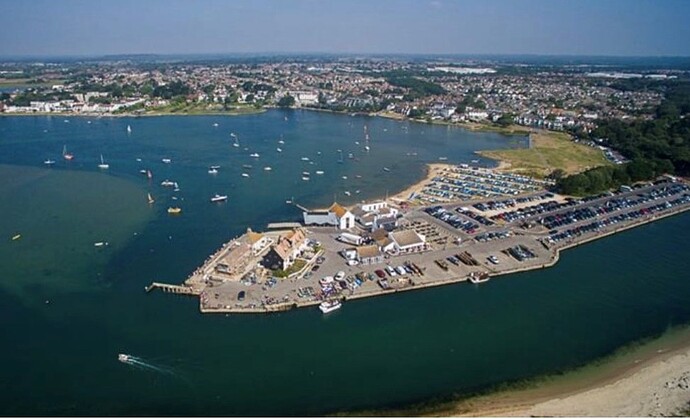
549,151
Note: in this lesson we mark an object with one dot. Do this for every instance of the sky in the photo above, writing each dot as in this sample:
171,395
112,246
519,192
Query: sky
545,27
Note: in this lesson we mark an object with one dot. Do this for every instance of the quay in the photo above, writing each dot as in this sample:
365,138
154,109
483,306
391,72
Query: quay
292,265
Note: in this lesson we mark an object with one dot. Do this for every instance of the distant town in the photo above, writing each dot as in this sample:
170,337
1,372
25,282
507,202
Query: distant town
571,98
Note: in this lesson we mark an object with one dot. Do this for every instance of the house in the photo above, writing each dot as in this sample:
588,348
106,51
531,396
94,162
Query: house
376,215
406,241
345,218
257,241
367,255
283,254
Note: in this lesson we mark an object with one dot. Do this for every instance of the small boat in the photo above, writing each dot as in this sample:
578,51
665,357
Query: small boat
347,193
350,156
49,162
166,161
305,177
67,156
268,168
247,166
143,171
385,169
100,244
149,174
174,210
219,198
358,176
138,159
16,237
285,118
356,142
215,124
478,277
305,173
103,164
124,358
305,158
176,187
215,167
245,175
167,182
366,147
281,142
443,158
329,306
212,171
318,153
129,129
475,161
279,150
236,143
319,172
255,155
151,200
344,177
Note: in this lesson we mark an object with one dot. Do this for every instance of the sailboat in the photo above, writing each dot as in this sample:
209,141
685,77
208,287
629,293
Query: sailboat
103,164
151,200
66,155
129,129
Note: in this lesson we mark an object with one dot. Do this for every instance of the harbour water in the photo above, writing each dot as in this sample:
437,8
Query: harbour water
68,308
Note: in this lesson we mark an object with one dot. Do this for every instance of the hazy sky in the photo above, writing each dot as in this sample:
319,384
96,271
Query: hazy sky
587,27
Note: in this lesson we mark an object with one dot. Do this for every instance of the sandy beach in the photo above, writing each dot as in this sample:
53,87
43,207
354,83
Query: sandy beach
652,379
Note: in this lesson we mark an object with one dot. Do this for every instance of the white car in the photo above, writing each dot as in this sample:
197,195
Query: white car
340,275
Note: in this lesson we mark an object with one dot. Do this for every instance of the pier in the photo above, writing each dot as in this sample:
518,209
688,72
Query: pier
173,289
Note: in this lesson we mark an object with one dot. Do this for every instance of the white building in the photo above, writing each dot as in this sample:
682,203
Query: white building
336,216
406,241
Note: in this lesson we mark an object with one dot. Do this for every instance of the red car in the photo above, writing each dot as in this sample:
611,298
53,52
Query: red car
380,273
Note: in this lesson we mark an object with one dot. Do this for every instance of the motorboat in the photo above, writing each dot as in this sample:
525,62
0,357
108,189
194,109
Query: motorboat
174,210
151,200
255,155
329,306
344,177
385,169
268,168
279,150
168,183
124,358
129,129
212,171
219,198
319,172
347,193
49,162
166,161
245,174
215,167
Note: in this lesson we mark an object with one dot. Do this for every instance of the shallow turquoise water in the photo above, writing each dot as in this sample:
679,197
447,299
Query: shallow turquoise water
60,358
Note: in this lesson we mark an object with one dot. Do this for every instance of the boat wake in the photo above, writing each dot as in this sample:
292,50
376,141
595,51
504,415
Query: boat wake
142,364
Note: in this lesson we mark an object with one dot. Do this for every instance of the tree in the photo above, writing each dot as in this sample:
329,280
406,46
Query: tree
286,101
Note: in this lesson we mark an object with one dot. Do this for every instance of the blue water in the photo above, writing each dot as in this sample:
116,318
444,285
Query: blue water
61,357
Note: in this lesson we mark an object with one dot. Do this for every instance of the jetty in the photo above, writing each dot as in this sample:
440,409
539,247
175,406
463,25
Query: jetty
173,289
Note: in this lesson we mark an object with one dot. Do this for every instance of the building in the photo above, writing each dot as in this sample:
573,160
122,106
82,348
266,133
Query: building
406,241
287,248
376,215
257,241
336,216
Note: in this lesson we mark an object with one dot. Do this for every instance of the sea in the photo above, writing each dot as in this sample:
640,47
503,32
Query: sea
69,307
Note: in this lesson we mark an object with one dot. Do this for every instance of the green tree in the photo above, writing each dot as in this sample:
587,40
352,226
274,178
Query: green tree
286,101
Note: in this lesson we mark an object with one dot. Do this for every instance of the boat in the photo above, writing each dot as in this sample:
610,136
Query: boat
356,142
176,187
385,169
236,143
215,167
215,124
305,173
67,156
366,147
279,150
16,237
103,164
358,176
219,198
305,158
305,177
245,175
478,277
268,168
167,182
255,155
281,142
138,159
149,174
344,177
124,358
151,200
166,161
247,166
329,306
49,162
347,193
100,244
143,171
174,210
319,172
350,156
443,158
212,171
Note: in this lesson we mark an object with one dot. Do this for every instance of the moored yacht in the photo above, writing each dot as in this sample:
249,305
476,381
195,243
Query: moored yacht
329,306
219,198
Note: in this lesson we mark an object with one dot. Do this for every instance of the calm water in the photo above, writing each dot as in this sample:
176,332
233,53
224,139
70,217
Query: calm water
60,358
